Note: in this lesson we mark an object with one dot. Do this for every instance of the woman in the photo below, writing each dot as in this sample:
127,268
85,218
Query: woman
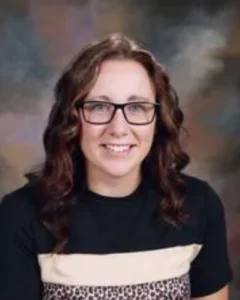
111,215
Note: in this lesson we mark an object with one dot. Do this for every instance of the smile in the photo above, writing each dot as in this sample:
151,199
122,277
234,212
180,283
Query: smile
118,148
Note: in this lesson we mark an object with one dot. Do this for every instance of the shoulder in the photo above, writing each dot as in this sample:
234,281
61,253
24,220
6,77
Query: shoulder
20,204
199,188
201,198
195,185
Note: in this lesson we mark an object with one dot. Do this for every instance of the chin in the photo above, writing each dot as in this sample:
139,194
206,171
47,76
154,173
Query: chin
118,172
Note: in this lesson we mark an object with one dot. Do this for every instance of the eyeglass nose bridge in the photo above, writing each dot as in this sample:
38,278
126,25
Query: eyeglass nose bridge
121,107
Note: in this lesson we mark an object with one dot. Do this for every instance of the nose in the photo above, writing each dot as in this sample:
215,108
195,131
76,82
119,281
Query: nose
118,126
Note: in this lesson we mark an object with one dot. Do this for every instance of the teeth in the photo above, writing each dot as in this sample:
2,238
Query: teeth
118,148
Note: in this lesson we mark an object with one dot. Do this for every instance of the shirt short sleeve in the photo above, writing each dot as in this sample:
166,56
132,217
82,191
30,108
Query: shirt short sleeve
19,272
211,271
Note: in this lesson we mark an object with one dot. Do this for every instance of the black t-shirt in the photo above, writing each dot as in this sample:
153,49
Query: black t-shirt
119,248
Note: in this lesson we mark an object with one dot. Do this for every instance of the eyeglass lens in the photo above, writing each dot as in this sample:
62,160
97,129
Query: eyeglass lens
102,112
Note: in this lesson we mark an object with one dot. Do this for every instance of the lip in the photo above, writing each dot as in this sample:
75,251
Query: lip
119,145
124,149
129,146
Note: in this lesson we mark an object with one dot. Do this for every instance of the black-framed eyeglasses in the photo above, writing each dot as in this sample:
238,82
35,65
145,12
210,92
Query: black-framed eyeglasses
102,112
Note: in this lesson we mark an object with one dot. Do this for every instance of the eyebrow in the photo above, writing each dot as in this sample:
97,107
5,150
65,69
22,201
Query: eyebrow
129,99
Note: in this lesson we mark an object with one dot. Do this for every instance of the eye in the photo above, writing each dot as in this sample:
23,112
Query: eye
99,106
136,107
96,106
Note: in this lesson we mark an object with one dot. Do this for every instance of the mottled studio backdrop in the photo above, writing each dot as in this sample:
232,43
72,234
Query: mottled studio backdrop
198,42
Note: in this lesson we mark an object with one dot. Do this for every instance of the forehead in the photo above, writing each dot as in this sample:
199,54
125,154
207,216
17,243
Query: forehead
123,78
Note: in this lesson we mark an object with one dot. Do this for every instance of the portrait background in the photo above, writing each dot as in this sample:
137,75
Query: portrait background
199,45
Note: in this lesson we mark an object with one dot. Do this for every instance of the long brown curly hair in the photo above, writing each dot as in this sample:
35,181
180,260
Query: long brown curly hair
63,172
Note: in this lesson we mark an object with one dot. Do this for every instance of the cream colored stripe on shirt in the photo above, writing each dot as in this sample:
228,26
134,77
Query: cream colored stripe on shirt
117,269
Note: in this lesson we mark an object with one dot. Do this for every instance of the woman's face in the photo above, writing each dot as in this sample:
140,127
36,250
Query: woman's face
118,148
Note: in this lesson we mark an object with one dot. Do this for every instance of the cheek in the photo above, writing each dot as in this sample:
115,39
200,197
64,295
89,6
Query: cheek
89,134
146,135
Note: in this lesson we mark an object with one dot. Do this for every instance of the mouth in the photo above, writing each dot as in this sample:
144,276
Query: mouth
118,148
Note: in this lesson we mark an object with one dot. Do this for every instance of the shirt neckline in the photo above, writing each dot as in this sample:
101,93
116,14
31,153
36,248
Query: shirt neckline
97,198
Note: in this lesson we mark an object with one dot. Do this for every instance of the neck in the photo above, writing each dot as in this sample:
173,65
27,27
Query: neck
113,186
